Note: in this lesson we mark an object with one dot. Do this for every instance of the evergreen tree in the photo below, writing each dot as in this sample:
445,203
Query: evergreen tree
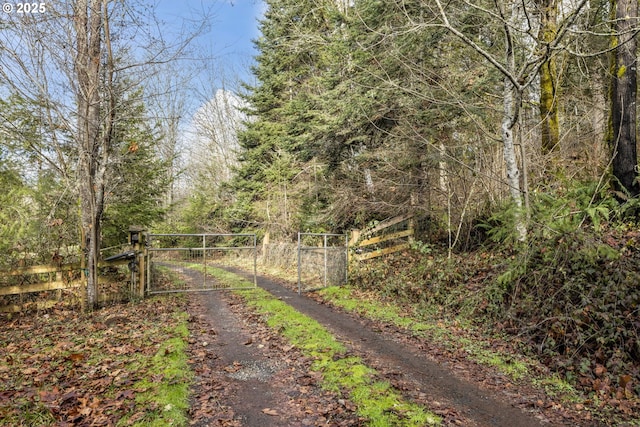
276,141
40,205
13,209
138,180
403,108
361,98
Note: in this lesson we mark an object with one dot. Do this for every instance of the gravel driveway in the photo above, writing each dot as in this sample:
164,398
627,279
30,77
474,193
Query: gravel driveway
247,375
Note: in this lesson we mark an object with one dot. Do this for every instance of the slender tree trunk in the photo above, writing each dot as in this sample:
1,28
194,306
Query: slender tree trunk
445,189
88,28
622,134
513,172
511,103
598,121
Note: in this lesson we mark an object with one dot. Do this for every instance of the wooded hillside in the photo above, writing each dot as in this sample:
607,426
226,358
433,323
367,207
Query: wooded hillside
481,119
368,109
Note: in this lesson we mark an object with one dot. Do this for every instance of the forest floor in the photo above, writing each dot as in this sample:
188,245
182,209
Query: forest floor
248,375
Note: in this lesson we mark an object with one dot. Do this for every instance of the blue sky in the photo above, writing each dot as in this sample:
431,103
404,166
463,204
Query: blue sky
227,42
233,26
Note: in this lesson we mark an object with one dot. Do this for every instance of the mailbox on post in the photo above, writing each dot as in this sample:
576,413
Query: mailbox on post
135,235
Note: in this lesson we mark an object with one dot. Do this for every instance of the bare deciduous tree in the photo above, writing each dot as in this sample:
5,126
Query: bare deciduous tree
72,61
214,137
524,56
92,136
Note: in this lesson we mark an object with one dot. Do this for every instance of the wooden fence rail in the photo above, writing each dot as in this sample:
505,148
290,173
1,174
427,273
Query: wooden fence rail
375,241
55,281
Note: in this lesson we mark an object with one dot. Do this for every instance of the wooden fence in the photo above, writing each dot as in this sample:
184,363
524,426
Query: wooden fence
386,237
43,278
69,277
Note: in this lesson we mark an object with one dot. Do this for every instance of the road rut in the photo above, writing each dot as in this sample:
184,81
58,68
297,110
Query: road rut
418,373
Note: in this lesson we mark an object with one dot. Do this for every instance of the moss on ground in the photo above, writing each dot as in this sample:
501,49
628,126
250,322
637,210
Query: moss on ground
376,401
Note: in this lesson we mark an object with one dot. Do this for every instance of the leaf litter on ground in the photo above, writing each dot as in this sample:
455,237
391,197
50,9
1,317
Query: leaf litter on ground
64,367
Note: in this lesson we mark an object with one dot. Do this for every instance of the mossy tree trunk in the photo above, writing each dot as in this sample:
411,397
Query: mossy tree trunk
550,128
622,133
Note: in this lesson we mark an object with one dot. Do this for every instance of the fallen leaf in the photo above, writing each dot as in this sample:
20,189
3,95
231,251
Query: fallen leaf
48,396
125,394
625,380
271,412
30,371
76,357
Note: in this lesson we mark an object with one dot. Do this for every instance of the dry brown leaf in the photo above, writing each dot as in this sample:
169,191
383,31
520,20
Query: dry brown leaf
76,357
271,412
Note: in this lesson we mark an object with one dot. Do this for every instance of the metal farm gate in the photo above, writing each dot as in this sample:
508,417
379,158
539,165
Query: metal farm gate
192,262
322,260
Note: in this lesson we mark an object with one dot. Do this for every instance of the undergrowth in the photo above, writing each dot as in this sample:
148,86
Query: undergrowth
576,300
570,295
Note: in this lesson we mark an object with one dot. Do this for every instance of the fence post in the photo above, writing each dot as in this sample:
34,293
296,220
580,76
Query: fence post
147,262
265,248
59,279
346,258
355,236
411,225
299,265
137,235
204,260
325,260
255,258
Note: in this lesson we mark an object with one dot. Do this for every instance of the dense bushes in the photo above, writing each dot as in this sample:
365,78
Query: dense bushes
575,298
572,299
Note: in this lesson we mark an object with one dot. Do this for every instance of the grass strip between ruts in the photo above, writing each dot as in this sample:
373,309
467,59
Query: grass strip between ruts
376,401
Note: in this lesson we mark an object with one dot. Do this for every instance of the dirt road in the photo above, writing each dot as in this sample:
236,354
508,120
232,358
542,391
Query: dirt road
247,375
